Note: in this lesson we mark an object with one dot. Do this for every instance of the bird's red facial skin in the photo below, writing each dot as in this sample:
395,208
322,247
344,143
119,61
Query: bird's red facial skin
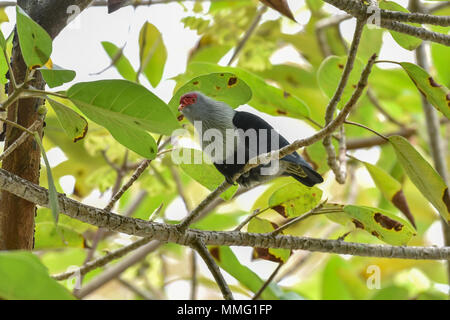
187,100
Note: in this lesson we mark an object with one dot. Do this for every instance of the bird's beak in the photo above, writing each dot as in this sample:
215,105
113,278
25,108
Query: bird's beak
180,107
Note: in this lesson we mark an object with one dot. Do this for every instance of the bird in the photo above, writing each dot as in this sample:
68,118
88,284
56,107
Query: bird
237,137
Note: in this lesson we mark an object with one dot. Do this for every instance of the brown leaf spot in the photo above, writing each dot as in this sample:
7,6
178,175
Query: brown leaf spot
215,253
399,201
358,224
376,234
82,135
433,83
354,86
446,199
232,82
180,117
222,74
281,112
195,83
263,253
286,94
387,222
341,66
281,210
217,88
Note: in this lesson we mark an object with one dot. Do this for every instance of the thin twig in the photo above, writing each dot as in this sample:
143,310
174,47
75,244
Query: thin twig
333,162
310,213
193,275
268,281
248,34
203,252
23,137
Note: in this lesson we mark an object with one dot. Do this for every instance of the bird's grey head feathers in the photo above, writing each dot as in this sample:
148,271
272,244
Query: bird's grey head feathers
196,106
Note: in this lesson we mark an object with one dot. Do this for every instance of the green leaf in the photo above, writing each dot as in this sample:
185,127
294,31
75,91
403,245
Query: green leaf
56,76
265,98
225,87
390,188
127,110
294,199
52,193
2,41
404,40
74,125
423,175
153,53
226,259
49,236
257,225
438,95
119,60
440,54
330,72
195,165
382,224
35,43
24,277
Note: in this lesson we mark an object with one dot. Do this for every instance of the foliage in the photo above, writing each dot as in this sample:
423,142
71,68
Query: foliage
128,123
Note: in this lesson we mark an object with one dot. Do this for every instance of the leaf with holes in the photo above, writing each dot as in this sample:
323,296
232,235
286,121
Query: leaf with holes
382,224
330,72
153,53
119,61
391,189
406,41
24,277
127,110
199,168
74,125
35,43
257,225
294,199
423,175
225,87
437,94
56,76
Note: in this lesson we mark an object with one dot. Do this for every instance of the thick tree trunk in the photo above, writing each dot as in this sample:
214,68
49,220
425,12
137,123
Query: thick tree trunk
16,214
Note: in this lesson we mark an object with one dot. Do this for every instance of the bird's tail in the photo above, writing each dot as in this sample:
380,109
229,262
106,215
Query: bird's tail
304,174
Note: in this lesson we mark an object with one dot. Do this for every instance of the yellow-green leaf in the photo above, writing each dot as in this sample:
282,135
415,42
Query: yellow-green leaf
195,165
153,53
49,236
330,72
35,43
406,41
382,224
74,125
423,175
391,189
224,86
119,60
24,277
294,199
437,94
257,225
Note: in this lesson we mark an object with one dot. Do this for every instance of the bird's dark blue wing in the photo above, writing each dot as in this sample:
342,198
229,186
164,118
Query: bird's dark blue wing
246,120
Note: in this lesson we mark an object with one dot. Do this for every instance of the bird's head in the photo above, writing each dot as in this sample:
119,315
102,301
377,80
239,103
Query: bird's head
198,107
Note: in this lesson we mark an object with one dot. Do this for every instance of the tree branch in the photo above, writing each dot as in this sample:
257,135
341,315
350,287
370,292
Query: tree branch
170,233
203,252
333,163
